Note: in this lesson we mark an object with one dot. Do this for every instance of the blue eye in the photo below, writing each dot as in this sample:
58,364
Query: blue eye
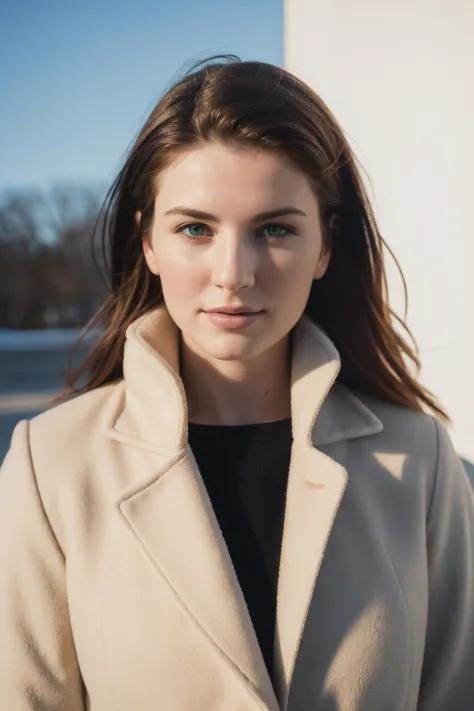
275,231
192,226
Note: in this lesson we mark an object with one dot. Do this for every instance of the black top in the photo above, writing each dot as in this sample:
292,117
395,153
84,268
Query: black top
245,470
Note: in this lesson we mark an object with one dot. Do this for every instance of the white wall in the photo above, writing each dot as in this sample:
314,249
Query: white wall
399,77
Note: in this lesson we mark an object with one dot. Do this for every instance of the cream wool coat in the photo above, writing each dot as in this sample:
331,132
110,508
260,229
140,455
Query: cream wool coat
117,592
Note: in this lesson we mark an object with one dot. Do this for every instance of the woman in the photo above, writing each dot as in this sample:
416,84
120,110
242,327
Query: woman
248,504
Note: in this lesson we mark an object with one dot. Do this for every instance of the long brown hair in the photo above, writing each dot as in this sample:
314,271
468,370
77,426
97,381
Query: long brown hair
259,105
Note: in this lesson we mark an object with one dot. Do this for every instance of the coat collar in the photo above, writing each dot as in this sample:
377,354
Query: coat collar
152,410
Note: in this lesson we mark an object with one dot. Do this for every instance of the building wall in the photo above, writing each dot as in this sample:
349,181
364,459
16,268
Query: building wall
400,79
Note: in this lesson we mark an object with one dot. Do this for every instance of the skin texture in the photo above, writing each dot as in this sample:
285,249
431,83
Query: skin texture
235,376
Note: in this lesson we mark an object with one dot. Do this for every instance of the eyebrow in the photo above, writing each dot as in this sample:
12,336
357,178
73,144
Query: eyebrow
191,212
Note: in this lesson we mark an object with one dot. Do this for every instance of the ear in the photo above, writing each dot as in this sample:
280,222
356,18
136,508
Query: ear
323,263
150,257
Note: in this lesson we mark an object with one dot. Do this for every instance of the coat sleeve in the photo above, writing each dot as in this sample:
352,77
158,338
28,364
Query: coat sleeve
38,664
448,671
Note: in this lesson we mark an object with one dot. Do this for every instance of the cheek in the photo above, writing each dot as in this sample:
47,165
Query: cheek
290,272
181,275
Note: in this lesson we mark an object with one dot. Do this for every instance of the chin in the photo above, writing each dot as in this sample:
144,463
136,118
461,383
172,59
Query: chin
229,353
232,347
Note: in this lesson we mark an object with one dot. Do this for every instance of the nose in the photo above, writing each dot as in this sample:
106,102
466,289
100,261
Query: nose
234,263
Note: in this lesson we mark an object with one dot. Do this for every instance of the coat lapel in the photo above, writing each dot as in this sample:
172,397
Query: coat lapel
311,506
173,521
169,513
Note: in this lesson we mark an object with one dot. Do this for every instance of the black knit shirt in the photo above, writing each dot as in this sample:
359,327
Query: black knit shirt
245,470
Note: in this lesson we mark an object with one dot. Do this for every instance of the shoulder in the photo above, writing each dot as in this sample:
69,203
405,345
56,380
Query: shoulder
418,442
391,426
59,452
75,419
403,425
67,437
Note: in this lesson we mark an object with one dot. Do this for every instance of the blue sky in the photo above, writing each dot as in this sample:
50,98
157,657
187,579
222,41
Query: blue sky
77,79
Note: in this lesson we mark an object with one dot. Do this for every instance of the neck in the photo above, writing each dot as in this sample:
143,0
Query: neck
236,392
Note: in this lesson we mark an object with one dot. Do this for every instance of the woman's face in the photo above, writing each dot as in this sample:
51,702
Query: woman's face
213,248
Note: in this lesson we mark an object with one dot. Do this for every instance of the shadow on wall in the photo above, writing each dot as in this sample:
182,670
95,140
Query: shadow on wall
469,467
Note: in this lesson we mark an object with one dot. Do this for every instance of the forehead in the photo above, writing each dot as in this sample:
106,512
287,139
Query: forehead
214,175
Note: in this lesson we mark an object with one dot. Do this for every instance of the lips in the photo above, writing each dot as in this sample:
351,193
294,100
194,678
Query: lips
233,320
233,310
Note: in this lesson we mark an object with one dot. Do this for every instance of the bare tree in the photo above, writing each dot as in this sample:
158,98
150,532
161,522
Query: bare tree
47,272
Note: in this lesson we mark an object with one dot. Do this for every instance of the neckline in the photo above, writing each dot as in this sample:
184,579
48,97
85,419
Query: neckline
249,425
